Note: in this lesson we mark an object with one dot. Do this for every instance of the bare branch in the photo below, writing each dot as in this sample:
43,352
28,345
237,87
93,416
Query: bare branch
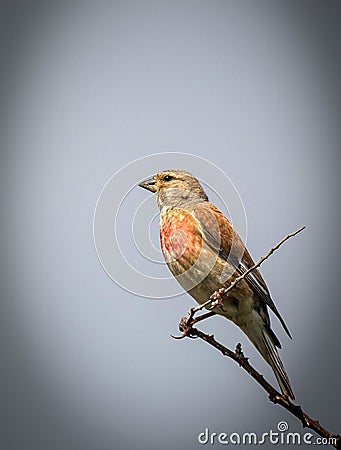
274,395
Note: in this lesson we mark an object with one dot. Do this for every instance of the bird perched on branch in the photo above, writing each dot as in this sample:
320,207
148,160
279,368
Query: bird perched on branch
205,254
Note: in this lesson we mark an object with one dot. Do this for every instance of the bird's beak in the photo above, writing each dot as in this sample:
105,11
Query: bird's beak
149,184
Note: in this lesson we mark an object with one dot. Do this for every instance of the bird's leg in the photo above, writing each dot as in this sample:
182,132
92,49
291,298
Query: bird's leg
202,317
185,326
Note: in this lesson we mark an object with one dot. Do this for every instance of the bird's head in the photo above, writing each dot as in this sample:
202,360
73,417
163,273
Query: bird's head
175,188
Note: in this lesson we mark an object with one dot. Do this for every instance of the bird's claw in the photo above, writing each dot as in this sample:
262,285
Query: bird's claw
181,336
184,327
218,297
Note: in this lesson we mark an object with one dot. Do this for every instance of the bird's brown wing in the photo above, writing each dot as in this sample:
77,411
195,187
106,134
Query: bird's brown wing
219,235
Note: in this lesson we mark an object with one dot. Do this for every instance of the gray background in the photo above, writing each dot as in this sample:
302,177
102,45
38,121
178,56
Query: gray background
254,86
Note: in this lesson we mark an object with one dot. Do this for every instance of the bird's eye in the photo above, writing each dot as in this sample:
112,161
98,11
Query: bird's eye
167,178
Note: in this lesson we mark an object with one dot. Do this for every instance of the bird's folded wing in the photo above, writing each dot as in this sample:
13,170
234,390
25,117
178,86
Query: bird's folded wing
219,235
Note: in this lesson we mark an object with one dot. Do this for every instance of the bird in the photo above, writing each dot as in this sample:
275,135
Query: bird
206,254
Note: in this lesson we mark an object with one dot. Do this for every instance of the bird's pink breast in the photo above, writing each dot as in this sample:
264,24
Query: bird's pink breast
178,236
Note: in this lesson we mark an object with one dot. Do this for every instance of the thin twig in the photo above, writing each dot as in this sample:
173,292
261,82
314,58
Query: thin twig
274,395
215,295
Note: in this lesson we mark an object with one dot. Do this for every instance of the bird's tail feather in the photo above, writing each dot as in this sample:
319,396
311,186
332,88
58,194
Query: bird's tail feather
276,364
265,341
